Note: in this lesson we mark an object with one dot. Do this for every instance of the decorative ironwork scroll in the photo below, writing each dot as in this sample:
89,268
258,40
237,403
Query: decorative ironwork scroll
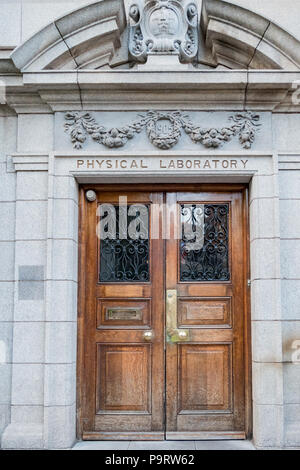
163,128
204,257
124,258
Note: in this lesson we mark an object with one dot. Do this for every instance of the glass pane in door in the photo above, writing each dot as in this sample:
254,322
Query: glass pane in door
124,243
204,242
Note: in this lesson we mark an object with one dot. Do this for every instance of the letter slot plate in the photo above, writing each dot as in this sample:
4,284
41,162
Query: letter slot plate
121,313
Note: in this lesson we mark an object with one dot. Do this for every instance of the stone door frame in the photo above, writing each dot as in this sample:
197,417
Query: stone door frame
62,250
57,426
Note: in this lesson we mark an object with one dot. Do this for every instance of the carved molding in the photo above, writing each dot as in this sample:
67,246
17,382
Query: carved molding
86,38
163,128
95,36
231,33
164,27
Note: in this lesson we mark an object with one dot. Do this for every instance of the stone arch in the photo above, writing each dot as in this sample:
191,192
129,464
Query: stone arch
96,36
87,38
238,38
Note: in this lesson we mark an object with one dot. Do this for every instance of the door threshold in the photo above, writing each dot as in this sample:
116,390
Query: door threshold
160,436
123,436
205,436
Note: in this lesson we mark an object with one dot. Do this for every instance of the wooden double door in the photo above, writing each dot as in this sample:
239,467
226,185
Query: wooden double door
163,340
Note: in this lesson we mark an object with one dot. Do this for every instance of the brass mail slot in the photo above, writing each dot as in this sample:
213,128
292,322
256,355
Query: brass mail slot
121,313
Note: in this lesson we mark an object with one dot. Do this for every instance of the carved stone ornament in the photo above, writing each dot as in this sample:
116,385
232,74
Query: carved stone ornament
163,27
164,129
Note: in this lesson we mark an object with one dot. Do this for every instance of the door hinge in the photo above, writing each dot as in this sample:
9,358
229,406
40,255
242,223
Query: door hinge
249,283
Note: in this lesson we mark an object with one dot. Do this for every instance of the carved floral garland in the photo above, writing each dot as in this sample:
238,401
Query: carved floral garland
164,130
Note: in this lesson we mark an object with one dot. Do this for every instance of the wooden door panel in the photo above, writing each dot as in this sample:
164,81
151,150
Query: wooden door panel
203,335
123,387
206,357
123,378
122,335
122,426
204,377
206,426
123,291
205,196
129,386
203,290
204,312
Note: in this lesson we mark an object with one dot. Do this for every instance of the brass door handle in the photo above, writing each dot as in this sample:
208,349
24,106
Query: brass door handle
174,334
148,335
183,334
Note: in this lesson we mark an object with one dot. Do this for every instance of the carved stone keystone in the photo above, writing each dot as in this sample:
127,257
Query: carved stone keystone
164,27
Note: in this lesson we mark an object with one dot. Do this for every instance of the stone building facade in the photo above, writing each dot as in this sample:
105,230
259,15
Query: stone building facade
123,92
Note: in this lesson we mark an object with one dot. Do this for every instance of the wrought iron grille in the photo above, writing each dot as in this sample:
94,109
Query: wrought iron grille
204,244
122,258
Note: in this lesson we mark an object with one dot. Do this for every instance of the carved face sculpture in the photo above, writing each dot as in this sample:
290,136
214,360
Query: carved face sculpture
163,22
